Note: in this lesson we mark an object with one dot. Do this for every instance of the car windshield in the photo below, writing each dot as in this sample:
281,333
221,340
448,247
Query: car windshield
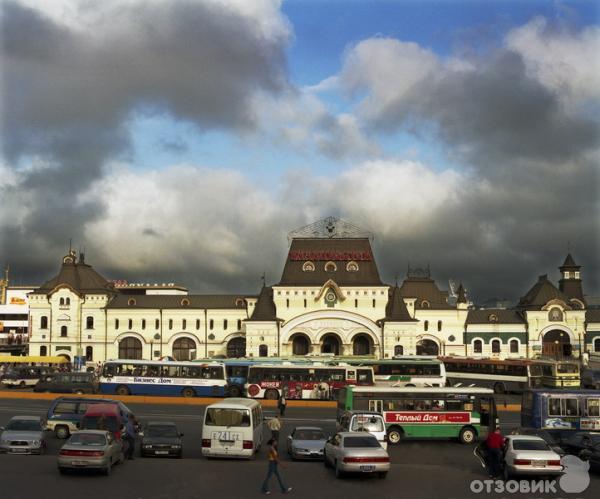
309,435
162,431
227,417
367,423
530,445
100,423
24,425
360,442
82,438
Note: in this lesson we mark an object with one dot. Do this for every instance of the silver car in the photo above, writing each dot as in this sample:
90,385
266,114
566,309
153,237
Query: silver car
23,435
349,452
529,455
306,442
90,449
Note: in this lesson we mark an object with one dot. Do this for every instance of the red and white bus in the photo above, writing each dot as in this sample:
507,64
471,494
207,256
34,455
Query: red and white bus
316,382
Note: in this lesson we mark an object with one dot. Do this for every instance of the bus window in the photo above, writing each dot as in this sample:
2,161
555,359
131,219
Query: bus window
422,405
593,407
571,407
453,405
554,406
485,411
438,405
364,376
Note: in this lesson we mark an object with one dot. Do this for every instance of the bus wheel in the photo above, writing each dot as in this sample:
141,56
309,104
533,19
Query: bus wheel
235,391
271,394
467,435
61,431
122,390
499,388
188,392
394,435
22,384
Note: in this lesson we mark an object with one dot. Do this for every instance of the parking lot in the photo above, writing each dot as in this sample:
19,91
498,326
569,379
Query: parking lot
419,469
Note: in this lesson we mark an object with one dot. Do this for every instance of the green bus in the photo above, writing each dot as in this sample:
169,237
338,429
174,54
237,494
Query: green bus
412,412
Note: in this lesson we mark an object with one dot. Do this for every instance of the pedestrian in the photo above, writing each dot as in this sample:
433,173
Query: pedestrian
494,444
273,469
281,404
130,433
274,425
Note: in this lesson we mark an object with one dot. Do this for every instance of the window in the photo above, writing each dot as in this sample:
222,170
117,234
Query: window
495,346
287,303
67,301
184,349
211,324
263,351
170,323
143,323
185,302
330,267
239,322
116,323
596,344
89,322
43,351
426,326
355,303
555,314
492,318
593,407
439,325
224,324
130,324
130,348
63,331
131,302
398,350
477,346
373,302
563,406
308,267
304,302
61,301
514,346
89,354
425,304
156,324
197,323
183,324
352,267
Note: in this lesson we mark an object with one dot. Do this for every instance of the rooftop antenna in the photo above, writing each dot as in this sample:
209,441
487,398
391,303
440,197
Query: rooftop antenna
263,278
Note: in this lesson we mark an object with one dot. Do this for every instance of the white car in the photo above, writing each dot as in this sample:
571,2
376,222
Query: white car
349,452
529,455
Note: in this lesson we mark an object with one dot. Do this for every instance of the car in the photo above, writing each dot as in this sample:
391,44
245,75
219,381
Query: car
360,421
581,440
23,435
161,439
306,442
349,452
90,449
75,382
591,454
590,378
552,440
529,455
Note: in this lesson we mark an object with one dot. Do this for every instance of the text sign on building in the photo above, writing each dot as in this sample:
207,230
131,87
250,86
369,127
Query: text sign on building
364,256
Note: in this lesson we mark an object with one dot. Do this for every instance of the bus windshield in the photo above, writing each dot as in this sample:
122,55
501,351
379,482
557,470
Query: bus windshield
227,417
566,369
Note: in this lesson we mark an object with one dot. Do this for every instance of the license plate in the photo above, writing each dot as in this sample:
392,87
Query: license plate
162,452
79,463
539,464
18,451
367,468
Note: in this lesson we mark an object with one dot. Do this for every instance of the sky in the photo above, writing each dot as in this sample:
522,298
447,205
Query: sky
181,140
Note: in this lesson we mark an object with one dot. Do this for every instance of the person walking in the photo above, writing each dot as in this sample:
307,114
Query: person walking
273,469
494,444
130,433
281,405
274,425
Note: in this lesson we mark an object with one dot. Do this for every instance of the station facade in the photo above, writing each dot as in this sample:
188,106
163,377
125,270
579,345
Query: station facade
330,300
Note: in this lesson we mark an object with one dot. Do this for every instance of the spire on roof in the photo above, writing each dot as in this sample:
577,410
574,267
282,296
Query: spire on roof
569,264
395,310
461,295
264,310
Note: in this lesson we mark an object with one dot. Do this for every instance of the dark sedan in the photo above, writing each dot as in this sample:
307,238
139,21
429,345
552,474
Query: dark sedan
162,439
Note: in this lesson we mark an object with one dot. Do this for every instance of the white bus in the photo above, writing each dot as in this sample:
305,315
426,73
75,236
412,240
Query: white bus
232,428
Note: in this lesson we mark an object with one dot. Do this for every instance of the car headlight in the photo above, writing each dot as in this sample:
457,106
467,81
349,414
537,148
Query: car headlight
176,446
147,446
36,443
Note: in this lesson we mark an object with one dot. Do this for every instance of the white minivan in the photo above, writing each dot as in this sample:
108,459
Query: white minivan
368,421
232,428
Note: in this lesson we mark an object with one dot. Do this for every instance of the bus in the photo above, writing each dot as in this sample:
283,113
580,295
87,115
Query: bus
314,381
144,377
502,376
404,370
423,412
557,410
560,373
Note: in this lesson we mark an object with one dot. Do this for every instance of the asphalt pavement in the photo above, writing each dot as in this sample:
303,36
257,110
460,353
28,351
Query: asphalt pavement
432,469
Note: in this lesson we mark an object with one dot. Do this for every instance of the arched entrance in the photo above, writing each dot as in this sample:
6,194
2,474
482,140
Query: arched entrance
427,347
331,343
362,345
557,343
184,349
300,344
130,348
236,347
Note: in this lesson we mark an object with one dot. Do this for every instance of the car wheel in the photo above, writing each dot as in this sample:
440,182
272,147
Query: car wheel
325,461
383,474
394,436
499,388
338,472
61,432
271,394
79,392
467,436
235,391
22,384
62,471
122,390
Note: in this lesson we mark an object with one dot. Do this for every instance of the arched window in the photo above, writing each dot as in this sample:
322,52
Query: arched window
170,323
89,354
555,314
43,351
439,325
68,301
477,346
287,303
197,323
355,303
130,348
596,344
426,326
116,323
263,351
131,302
352,267
61,301
308,267
183,324
130,323
89,322
300,344
330,267
239,325
398,350
211,324
143,323
224,324
514,346
63,331
495,346
156,324
43,322
425,304
184,349
305,302
374,302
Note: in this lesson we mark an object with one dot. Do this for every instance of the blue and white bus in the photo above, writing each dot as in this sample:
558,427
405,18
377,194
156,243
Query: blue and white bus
144,377
556,409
